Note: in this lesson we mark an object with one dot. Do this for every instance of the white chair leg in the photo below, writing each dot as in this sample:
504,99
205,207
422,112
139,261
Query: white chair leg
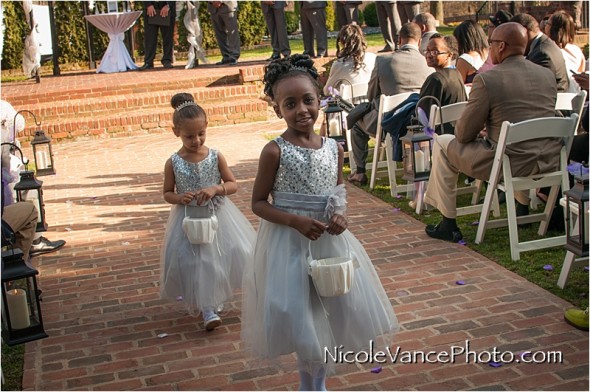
565,269
351,161
485,213
375,163
548,210
512,225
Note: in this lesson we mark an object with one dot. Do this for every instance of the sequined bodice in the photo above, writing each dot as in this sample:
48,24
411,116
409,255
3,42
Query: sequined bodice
194,176
305,170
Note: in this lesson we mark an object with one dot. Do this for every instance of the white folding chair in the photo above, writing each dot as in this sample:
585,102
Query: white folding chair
444,115
549,127
384,147
570,259
354,93
573,102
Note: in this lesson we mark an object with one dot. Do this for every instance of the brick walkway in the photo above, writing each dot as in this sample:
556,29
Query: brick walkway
104,317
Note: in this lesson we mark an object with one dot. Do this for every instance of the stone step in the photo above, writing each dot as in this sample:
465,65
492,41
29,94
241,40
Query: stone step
122,103
144,121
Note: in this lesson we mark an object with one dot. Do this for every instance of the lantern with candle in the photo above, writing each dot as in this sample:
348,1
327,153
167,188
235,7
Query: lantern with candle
417,145
21,310
576,210
30,189
42,153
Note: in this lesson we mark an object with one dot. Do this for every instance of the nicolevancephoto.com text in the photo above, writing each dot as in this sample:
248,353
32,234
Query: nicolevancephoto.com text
455,354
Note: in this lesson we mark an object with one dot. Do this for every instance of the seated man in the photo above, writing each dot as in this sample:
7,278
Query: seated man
514,90
403,71
21,219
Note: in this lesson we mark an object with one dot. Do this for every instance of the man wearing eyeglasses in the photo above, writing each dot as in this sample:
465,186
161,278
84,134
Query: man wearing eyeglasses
514,90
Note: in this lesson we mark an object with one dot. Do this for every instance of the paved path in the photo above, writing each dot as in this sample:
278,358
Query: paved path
103,314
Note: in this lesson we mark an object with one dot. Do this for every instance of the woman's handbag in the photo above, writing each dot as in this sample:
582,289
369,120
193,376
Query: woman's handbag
332,276
199,230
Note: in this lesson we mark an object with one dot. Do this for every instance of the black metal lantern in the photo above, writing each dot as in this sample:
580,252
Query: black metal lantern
30,189
333,119
21,310
416,154
42,153
576,220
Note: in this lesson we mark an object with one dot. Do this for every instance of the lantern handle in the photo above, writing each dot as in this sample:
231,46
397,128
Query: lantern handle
22,157
435,99
37,123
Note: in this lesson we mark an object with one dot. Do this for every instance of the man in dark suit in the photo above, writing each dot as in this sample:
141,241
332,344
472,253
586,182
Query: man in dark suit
150,36
389,23
274,15
224,16
543,51
313,23
347,12
514,90
403,71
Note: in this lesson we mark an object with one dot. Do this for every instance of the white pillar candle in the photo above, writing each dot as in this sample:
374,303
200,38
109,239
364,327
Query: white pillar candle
18,308
419,158
335,127
42,160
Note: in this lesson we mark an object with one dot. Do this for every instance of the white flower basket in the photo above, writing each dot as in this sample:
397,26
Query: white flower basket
200,230
332,276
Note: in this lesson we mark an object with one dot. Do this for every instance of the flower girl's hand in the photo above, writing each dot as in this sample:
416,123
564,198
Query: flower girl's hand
186,198
337,224
205,194
309,227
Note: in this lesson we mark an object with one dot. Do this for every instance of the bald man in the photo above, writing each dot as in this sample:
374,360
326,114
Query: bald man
514,90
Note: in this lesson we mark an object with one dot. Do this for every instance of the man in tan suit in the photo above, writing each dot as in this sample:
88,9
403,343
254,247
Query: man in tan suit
514,90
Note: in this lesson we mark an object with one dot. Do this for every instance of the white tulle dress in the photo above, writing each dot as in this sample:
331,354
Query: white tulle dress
282,313
203,276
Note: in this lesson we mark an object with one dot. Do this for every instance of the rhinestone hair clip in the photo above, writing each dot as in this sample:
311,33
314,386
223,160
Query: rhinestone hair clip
297,68
185,104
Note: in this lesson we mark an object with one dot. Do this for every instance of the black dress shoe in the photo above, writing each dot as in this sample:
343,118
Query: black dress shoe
358,179
168,66
222,62
232,62
446,235
273,57
145,66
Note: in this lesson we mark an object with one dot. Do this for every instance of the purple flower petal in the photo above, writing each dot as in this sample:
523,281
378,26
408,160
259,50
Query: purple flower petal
460,282
179,298
586,269
398,196
402,293
462,242
377,369
396,209
494,364
475,223
548,267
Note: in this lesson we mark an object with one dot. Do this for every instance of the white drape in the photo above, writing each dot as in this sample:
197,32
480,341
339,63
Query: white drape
195,35
31,53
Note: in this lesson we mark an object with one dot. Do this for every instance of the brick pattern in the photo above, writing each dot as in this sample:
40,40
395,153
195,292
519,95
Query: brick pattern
103,313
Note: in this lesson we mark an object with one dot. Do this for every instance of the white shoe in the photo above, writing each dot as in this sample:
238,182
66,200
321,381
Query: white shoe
211,320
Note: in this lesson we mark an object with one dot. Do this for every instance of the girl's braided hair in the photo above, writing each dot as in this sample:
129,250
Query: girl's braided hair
185,108
280,69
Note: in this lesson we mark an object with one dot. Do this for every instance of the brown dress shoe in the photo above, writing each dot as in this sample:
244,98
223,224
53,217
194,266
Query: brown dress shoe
358,179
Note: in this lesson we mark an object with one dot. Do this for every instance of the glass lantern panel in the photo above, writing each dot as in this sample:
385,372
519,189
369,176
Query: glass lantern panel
334,124
422,156
408,161
21,303
584,218
42,156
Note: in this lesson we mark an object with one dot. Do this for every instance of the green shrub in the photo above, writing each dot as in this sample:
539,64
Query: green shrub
331,23
14,35
361,17
292,20
370,15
